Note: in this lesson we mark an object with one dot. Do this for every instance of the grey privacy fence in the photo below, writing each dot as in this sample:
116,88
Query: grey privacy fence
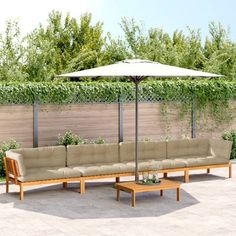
124,103
120,114
160,101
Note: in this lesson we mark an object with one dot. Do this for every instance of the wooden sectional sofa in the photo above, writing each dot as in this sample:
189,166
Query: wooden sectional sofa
43,165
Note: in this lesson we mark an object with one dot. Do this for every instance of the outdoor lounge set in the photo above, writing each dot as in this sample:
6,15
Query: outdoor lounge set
44,165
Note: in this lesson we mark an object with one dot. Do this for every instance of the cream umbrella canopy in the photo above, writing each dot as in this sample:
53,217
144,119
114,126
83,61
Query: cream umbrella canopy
137,70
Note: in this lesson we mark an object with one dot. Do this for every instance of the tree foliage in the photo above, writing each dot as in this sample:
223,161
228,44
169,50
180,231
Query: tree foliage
217,54
68,44
11,53
64,45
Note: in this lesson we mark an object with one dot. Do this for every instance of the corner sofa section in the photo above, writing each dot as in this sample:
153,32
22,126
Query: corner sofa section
199,153
30,166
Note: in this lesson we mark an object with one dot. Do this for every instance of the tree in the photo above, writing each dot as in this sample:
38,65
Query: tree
63,45
114,50
217,54
11,53
66,44
220,52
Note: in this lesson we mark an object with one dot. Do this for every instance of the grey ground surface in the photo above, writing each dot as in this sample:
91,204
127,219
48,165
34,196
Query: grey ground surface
207,207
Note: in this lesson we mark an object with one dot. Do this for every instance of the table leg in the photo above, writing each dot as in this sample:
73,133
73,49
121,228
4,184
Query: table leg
230,170
82,186
64,184
178,194
133,199
161,192
117,193
186,176
117,179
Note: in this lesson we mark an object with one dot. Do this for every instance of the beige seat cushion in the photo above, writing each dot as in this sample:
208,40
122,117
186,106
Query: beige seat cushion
103,169
35,174
218,160
148,165
147,151
40,157
19,159
187,148
70,172
172,164
92,154
203,161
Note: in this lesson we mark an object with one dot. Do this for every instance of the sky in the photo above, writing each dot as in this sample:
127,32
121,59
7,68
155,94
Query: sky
166,14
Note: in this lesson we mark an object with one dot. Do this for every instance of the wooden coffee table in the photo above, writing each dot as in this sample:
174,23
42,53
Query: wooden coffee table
133,188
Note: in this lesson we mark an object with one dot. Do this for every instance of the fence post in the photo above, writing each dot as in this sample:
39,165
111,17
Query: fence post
121,121
35,124
193,118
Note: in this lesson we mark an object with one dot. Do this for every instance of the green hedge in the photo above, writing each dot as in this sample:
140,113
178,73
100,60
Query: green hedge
74,92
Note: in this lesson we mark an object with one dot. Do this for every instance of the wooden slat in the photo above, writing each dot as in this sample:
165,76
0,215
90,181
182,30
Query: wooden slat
153,124
50,181
89,121
16,122
101,120
164,184
12,167
208,128
108,176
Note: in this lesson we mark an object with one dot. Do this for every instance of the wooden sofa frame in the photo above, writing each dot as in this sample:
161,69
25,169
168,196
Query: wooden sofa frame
12,174
164,171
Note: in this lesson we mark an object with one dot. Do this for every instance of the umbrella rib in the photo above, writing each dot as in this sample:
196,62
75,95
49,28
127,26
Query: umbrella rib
137,79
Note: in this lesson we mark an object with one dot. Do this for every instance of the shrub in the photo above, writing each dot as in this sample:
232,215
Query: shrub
11,144
73,139
231,136
69,139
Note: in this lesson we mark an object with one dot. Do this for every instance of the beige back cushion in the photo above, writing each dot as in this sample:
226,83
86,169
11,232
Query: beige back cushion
220,148
20,162
92,154
147,151
187,148
43,156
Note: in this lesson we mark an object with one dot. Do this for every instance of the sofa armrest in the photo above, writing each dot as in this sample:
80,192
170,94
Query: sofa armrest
220,148
19,161
11,168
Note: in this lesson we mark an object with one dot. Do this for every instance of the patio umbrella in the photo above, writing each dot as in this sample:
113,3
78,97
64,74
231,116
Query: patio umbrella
137,70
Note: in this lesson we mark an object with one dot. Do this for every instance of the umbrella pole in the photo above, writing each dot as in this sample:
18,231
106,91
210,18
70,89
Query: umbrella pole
136,132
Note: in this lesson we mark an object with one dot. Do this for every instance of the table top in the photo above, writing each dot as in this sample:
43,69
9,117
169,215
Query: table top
164,184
